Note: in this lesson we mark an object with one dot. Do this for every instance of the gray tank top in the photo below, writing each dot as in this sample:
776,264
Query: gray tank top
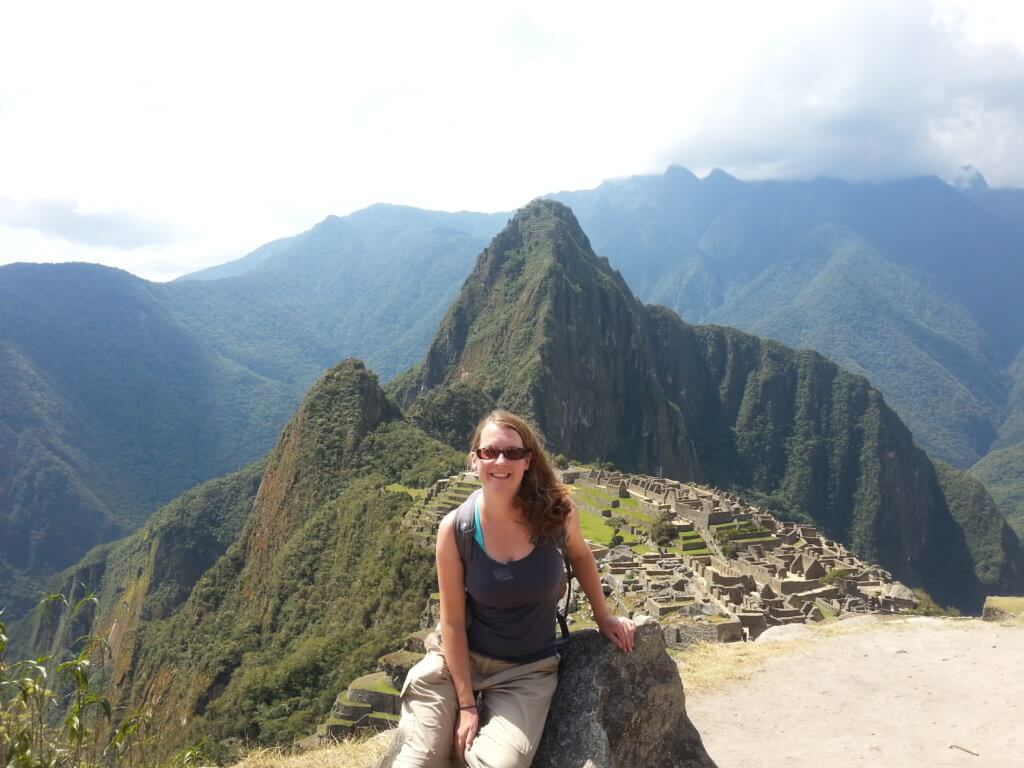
511,606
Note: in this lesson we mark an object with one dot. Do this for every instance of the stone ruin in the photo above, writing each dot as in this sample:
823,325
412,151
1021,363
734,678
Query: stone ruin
753,571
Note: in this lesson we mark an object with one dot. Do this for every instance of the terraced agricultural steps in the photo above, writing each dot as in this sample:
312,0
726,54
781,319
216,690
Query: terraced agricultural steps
372,702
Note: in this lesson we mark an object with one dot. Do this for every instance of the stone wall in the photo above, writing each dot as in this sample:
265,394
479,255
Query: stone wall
683,634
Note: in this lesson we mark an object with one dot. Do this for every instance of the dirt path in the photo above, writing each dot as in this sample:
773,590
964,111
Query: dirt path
893,694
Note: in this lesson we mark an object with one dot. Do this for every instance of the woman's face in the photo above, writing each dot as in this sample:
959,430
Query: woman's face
500,475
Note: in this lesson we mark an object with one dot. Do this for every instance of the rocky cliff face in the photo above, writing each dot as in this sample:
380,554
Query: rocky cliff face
544,327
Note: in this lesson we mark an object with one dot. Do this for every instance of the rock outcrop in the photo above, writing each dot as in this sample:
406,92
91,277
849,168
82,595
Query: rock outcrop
617,710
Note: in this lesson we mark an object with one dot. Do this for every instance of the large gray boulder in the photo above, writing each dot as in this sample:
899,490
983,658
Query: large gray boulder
619,710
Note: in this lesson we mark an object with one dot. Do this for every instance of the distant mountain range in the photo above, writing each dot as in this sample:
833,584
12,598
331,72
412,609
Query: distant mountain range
119,394
243,607
914,284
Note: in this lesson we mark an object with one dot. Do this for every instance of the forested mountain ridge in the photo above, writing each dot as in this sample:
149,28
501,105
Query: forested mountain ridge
558,337
912,283
108,407
118,394
545,327
241,608
372,285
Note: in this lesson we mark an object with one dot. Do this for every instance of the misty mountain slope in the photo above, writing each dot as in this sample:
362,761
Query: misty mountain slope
49,514
148,574
543,326
373,284
1011,430
945,268
1002,472
122,393
109,408
876,319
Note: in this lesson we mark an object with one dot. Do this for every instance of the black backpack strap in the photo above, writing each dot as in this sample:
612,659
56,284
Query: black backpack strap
563,622
465,528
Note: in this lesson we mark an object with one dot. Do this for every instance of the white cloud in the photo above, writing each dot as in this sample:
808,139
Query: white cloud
63,219
872,91
233,124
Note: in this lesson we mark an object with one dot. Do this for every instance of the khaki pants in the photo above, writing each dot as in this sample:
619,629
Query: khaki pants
515,696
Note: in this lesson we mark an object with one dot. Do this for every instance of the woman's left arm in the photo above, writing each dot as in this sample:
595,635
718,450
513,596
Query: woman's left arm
618,629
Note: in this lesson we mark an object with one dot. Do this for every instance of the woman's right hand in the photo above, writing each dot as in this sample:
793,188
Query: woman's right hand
466,726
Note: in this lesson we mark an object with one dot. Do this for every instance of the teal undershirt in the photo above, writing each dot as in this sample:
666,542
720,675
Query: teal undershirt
478,531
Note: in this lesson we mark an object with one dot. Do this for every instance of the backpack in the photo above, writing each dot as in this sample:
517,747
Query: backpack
465,529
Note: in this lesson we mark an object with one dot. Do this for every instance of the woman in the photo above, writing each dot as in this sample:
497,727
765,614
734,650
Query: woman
508,591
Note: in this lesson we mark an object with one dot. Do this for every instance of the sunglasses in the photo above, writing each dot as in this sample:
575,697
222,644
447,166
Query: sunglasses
489,453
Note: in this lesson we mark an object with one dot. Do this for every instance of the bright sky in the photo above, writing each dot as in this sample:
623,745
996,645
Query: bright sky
162,138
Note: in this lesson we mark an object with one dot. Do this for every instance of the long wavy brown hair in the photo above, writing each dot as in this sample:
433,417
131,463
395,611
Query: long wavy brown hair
545,501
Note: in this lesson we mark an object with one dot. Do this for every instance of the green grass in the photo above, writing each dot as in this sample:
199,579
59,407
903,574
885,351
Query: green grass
376,681
690,552
346,701
753,540
598,498
597,530
416,493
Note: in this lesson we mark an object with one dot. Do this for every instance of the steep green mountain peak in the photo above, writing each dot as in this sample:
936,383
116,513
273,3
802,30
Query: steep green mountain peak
314,454
546,328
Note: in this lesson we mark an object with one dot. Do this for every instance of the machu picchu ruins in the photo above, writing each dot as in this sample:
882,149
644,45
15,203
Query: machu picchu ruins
706,564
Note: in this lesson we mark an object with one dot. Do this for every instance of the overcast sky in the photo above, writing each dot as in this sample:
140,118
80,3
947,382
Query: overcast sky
165,138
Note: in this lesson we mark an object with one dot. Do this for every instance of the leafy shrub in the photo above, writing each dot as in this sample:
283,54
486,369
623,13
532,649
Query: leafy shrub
52,712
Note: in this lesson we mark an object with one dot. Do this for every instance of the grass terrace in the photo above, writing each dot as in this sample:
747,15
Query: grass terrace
415,493
598,499
596,529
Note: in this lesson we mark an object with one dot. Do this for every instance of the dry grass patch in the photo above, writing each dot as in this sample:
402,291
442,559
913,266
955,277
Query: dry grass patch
351,753
709,666
1011,605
